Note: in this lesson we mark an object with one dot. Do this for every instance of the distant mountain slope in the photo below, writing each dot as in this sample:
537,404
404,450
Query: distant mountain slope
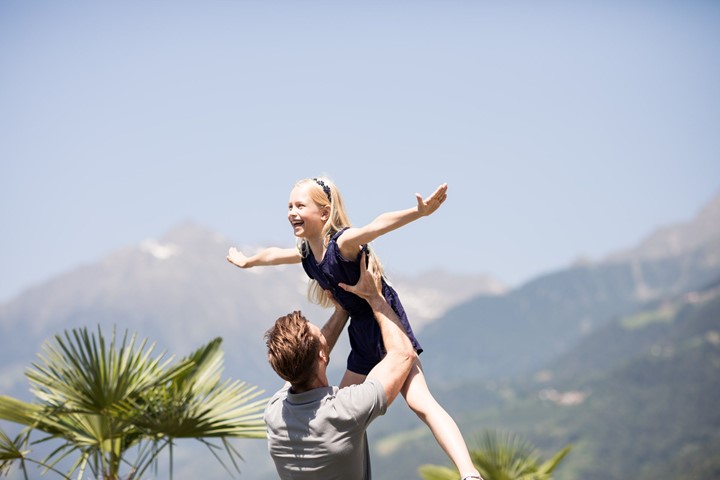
677,239
577,355
653,413
637,399
506,335
181,292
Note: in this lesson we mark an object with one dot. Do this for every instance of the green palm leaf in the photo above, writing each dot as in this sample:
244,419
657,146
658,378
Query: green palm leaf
436,472
101,399
11,451
81,372
502,457
197,404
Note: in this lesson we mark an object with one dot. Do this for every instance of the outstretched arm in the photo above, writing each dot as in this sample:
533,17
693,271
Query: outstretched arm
350,241
269,256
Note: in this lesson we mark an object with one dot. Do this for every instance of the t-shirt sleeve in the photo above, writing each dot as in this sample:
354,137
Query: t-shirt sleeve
365,402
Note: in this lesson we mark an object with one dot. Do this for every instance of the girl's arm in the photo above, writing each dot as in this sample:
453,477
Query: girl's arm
351,240
269,256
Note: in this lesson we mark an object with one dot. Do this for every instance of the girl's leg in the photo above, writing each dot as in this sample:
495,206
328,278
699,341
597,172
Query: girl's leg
352,378
443,427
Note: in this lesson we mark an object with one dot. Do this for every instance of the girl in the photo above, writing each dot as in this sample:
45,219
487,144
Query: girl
329,249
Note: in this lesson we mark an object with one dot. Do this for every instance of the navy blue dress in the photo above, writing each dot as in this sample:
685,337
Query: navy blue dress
365,339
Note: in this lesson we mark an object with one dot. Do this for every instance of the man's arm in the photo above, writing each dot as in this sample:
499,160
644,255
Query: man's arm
335,324
392,371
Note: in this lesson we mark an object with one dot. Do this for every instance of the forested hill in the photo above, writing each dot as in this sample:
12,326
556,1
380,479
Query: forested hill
620,358
637,398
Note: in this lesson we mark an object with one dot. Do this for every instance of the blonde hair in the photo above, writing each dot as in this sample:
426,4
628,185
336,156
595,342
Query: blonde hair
324,193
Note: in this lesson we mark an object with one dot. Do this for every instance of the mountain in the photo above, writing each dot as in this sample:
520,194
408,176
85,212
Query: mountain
181,292
480,339
507,335
620,358
637,398
677,239
652,412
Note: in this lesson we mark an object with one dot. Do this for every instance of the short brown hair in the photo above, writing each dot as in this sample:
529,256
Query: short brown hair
292,348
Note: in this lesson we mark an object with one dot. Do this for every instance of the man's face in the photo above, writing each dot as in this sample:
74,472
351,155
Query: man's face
324,347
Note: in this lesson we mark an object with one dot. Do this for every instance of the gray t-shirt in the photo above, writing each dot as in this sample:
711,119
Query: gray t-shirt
320,434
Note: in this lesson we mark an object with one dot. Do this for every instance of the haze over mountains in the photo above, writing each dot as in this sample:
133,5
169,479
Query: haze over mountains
180,291
478,336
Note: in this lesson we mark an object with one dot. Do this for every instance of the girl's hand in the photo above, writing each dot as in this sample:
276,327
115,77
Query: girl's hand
237,258
433,202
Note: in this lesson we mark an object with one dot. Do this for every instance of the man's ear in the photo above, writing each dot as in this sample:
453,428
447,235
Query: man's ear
324,355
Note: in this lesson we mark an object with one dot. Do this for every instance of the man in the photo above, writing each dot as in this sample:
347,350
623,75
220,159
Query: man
318,431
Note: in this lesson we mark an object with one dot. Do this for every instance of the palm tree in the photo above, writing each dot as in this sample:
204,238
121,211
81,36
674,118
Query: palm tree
107,401
502,457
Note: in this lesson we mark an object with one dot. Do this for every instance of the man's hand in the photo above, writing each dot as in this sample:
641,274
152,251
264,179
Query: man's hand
369,285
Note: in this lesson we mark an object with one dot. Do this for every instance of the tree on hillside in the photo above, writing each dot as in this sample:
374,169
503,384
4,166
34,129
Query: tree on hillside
501,457
105,402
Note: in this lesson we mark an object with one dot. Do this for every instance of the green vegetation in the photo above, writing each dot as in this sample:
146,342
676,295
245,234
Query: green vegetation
635,403
502,457
664,314
105,402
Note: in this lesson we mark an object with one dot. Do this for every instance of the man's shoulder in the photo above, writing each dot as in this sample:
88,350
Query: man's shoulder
277,397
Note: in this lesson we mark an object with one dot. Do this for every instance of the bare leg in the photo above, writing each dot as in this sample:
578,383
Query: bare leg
443,427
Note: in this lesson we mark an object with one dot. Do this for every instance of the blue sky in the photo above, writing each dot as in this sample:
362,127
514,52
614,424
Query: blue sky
564,128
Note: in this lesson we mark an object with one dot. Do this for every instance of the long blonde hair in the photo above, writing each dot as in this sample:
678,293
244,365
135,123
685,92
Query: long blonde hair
324,193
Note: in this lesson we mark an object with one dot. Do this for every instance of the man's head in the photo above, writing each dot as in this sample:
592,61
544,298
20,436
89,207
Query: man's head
295,346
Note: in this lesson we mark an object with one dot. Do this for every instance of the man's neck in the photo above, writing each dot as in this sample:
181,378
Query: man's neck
317,382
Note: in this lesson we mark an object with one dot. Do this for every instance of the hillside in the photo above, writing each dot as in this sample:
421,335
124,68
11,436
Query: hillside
636,398
621,332
502,336
181,292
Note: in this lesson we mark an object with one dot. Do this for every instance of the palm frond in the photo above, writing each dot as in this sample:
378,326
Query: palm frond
551,464
101,398
436,472
196,404
81,372
501,456
12,450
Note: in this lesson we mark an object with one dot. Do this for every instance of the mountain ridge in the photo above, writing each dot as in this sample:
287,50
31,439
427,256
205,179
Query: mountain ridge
180,291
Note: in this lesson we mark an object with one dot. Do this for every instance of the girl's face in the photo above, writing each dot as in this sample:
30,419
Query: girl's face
305,216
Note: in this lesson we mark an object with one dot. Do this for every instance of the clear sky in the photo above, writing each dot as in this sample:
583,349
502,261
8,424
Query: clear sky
563,128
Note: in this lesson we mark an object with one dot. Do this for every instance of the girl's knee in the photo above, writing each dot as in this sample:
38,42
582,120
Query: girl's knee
423,407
